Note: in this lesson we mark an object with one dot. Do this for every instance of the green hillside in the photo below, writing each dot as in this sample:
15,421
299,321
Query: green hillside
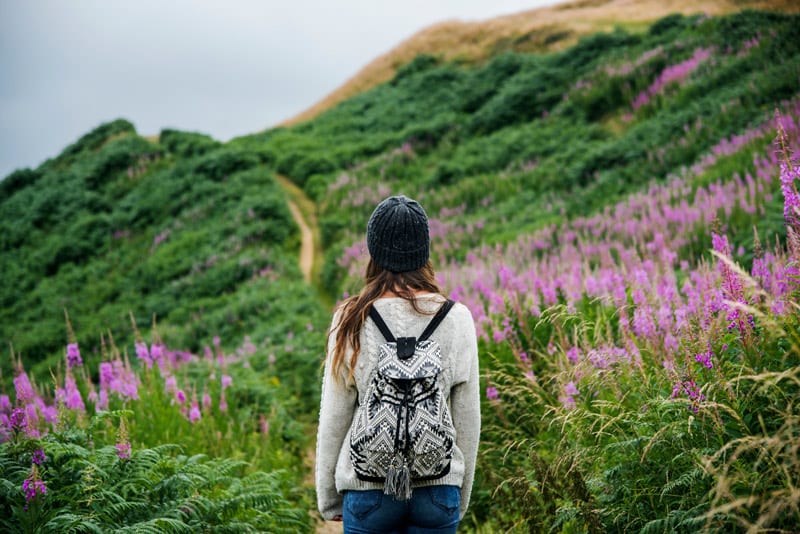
518,161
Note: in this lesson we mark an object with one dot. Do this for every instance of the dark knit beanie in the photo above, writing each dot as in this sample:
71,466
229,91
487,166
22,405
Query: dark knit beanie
397,235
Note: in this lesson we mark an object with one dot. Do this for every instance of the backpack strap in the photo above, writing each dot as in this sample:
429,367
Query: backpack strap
437,319
433,325
381,324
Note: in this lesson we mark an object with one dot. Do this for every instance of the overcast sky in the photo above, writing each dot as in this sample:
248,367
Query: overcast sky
225,68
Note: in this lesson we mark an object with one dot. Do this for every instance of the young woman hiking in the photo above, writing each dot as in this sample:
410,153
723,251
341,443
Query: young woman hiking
400,413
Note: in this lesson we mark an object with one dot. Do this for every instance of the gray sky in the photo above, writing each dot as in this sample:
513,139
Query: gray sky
223,68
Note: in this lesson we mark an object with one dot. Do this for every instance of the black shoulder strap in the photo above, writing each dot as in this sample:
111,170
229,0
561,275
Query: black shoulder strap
381,324
436,321
433,325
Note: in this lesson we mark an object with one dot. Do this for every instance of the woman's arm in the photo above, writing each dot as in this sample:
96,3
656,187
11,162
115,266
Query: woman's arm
335,415
466,410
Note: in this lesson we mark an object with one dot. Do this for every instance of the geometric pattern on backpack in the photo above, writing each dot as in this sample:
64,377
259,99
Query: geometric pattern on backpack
402,431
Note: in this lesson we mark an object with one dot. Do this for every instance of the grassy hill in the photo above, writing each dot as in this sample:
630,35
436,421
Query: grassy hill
540,30
575,189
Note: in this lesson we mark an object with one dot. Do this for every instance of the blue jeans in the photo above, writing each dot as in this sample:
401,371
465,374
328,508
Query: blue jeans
431,509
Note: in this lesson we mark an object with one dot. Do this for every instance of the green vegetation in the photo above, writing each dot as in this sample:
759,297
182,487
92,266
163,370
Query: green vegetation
515,160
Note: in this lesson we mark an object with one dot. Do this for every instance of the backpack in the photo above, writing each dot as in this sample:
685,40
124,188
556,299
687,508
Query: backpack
402,431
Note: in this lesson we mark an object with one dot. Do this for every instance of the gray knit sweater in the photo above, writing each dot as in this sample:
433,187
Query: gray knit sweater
456,337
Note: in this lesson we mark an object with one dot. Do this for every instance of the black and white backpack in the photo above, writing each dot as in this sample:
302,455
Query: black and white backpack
402,431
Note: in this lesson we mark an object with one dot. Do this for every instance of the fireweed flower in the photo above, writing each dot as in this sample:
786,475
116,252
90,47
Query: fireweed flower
571,389
38,457
492,393
193,414
705,358
206,401
156,352
143,354
791,199
33,485
23,387
692,392
574,355
73,399
171,384
123,450
227,381
263,424
123,445
106,375
223,404
32,420
73,355
17,419
180,396
102,401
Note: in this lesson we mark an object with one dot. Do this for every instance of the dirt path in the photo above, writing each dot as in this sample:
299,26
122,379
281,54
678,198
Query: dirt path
307,242
304,212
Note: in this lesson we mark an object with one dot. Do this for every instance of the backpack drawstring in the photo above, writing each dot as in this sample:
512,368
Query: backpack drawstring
398,476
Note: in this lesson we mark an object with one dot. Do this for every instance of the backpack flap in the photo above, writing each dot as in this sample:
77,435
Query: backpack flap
425,362
406,346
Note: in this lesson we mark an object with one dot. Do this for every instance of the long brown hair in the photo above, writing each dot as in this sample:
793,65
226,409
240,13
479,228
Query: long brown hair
356,308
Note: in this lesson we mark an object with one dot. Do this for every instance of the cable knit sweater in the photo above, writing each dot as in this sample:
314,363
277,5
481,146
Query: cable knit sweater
456,337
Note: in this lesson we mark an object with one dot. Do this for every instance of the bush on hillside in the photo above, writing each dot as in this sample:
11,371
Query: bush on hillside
96,138
219,164
187,144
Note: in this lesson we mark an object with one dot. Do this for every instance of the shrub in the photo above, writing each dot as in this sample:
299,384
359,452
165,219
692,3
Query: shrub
187,144
221,163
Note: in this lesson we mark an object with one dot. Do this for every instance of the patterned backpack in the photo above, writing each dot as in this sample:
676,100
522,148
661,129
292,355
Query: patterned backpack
402,430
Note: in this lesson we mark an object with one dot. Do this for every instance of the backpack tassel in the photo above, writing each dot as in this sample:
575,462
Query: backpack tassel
398,482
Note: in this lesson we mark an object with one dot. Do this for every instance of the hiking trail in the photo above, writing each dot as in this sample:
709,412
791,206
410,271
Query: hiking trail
304,212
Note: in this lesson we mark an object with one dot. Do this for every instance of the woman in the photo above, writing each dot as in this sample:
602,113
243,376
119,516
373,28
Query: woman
400,286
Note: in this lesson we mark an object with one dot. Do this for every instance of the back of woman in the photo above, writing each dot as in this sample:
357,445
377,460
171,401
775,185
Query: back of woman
400,415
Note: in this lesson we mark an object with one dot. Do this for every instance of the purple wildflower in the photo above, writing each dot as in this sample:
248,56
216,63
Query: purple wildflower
72,396
33,486
571,389
670,75
17,419
102,401
180,396
226,381
32,420
73,355
705,359
106,375
194,412
492,393
263,424
24,388
791,200
156,352
123,450
574,355
38,457
691,390
143,354
171,384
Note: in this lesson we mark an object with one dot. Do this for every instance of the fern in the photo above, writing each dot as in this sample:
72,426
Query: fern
156,490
